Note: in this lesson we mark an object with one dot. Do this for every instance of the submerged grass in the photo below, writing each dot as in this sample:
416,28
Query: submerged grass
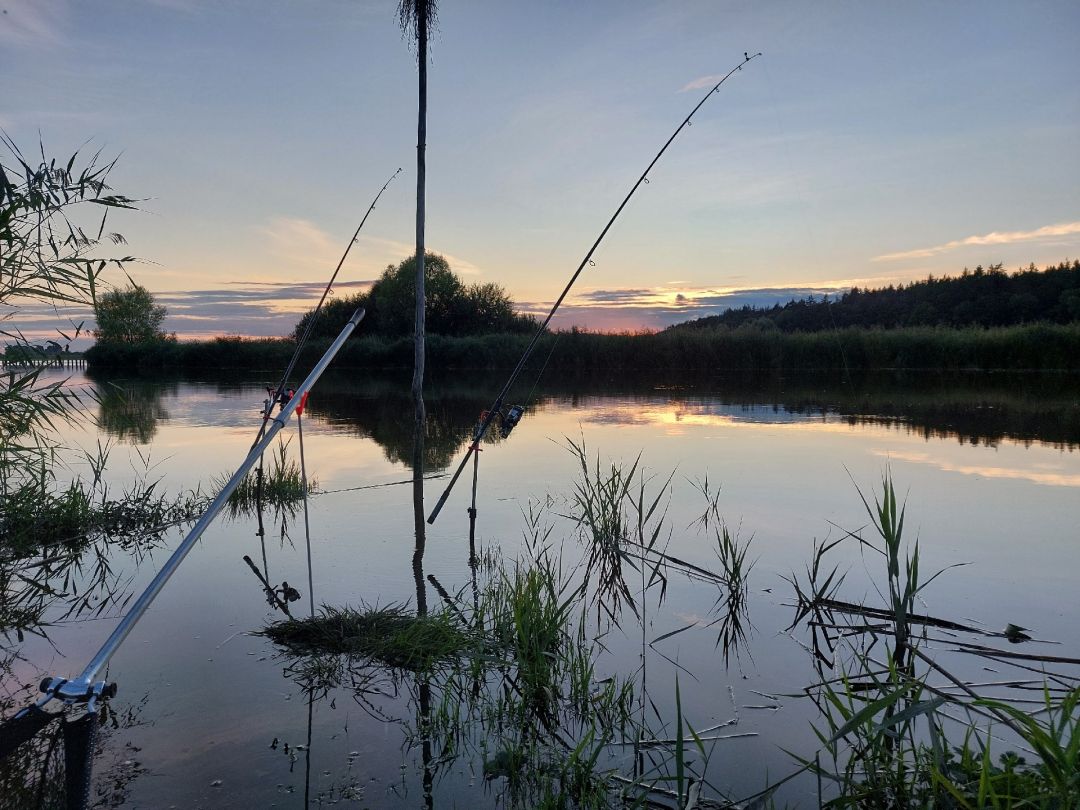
36,511
390,635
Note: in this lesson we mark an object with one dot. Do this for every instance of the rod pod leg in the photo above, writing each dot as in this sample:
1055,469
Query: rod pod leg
79,738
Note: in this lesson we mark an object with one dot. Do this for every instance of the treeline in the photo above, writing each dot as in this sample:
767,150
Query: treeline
1042,347
984,298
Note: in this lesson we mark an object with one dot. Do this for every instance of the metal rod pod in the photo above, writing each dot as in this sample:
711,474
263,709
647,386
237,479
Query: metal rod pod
79,687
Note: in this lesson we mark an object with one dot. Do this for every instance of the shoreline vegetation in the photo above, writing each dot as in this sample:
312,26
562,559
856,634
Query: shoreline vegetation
985,320
752,347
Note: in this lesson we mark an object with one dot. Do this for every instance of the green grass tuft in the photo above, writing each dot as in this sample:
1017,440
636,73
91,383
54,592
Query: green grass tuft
282,485
390,635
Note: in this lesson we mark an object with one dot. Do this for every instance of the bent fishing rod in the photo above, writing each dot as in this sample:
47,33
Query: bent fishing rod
84,689
493,411
318,307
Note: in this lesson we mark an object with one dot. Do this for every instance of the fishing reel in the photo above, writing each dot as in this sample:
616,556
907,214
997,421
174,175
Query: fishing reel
511,418
507,420
275,396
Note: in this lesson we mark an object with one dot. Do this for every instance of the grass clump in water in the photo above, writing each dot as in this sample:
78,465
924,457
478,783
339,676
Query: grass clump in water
38,511
390,635
282,485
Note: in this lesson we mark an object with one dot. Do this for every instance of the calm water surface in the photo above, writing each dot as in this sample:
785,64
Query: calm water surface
990,467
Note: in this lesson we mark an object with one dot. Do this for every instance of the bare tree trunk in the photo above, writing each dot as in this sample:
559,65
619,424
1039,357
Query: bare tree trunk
418,335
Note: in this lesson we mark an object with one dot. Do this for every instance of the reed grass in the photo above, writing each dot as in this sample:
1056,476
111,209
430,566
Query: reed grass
893,738
57,540
39,509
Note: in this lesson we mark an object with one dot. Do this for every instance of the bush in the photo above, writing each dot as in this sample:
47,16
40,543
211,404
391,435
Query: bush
453,308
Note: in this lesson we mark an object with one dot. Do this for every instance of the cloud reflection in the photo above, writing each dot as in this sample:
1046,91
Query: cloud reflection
1044,478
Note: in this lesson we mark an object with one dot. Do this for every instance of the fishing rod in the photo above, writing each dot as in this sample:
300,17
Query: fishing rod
496,407
280,390
84,689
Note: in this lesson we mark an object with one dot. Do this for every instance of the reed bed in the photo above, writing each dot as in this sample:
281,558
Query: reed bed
58,542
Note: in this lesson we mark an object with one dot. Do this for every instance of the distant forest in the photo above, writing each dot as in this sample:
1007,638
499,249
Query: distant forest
983,297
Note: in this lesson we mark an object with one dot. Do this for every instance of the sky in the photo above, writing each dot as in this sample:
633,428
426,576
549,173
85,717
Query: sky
871,143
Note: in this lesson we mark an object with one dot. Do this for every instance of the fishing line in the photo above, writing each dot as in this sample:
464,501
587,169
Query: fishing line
259,478
83,690
276,395
280,390
543,368
432,477
311,585
497,404
87,692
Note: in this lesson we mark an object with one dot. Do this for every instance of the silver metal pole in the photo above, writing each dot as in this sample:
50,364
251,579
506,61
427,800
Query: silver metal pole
83,686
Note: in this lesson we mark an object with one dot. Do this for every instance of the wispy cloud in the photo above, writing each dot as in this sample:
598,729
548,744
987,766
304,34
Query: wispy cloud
700,83
269,308
992,238
256,309
182,6
296,246
657,307
393,251
300,242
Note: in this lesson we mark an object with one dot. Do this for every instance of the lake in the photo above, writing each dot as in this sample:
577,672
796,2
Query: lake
210,715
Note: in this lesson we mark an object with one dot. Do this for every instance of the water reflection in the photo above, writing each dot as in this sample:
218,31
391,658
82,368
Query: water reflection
777,421
382,410
1041,474
976,408
43,588
85,578
33,776
130,410
509,677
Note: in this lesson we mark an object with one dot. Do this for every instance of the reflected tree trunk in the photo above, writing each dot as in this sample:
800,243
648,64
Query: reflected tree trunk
418,551
428,776
423,686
